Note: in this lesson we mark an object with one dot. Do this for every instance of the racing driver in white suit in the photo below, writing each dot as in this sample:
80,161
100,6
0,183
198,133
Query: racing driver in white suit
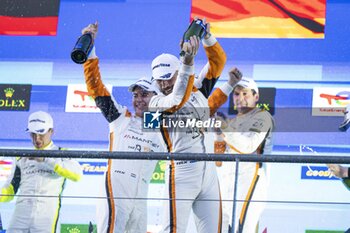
193,185
250,132
38,181
126,181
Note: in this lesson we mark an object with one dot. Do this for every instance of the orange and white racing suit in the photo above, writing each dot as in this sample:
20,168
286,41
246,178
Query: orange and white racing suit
126,181
193,185
250,133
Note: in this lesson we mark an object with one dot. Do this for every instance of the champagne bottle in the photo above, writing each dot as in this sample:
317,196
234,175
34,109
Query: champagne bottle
82,48
196,28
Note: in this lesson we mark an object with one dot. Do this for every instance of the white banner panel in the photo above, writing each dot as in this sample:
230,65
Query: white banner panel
78,99
330,101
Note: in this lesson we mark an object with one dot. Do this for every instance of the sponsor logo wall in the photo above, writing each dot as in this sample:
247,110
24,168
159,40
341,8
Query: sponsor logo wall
309,181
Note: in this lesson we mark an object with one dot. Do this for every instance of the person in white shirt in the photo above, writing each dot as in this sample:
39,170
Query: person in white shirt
40,181
250,132
193,185
126,181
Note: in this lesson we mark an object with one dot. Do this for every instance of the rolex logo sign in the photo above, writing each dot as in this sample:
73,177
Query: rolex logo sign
15,97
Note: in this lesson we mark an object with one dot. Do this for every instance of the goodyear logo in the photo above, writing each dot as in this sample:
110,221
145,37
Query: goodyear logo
316,173
93,168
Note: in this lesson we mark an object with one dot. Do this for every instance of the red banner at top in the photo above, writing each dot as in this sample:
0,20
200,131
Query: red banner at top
29,17
263,18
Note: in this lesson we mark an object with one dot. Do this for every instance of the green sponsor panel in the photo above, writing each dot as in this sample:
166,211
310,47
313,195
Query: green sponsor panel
158,174
77,228
323,231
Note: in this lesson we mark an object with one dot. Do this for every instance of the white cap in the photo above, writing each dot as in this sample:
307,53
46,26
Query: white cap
145,84
248,83
164,66
39,122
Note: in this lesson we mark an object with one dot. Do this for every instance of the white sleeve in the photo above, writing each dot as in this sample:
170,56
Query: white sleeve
210,41
226,89
92,54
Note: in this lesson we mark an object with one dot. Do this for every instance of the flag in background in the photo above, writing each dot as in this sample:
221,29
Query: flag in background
263,18
29,17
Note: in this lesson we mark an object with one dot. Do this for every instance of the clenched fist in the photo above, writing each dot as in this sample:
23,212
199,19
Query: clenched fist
234,76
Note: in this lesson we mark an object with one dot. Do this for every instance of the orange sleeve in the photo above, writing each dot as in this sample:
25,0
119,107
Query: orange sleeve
215,100
217,60
93,79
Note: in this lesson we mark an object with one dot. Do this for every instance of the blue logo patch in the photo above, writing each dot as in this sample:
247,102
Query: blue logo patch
316,173
151,120
165,76
93,168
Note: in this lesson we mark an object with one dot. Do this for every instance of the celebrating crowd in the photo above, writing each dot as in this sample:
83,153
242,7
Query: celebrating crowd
174,92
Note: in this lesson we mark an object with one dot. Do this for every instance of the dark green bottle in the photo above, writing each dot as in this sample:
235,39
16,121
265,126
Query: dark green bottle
196,28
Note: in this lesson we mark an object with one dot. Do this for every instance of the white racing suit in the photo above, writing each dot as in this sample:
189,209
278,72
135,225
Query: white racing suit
246,134
40,187
192,184
126,181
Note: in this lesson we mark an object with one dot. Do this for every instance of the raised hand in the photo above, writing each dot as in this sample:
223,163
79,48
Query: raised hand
234,76
207,26
91,28
338,171
190,49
